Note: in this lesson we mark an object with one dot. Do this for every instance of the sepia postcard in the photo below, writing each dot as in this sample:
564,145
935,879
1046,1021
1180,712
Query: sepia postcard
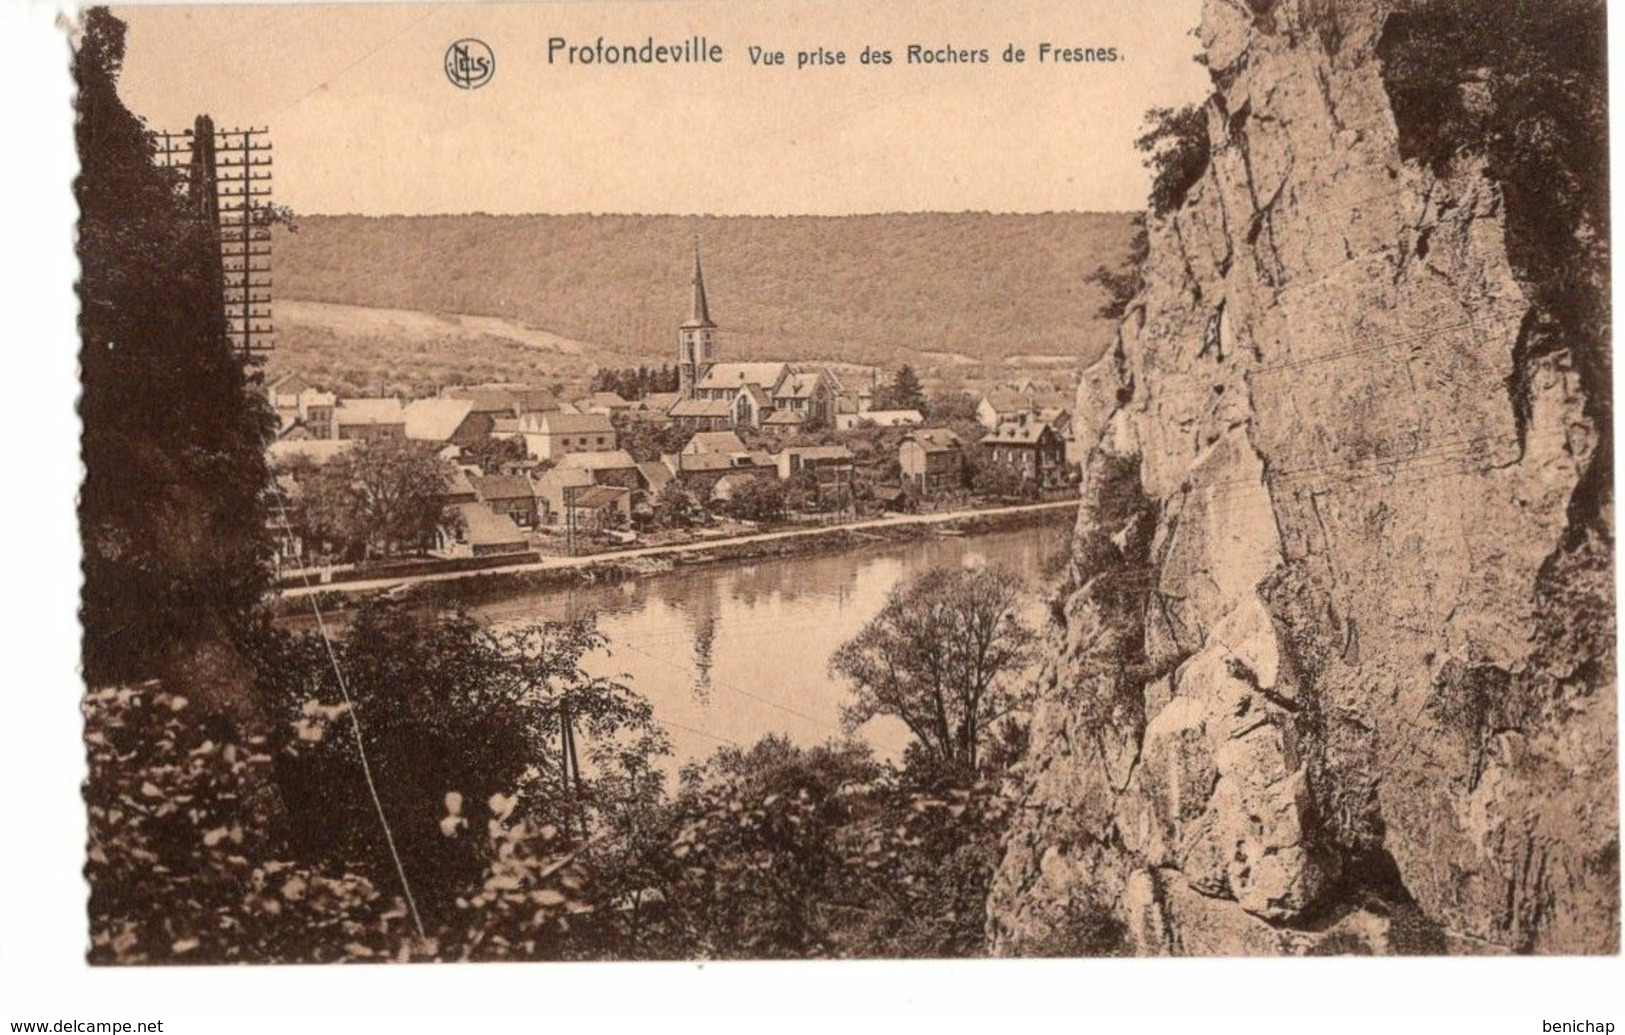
713,480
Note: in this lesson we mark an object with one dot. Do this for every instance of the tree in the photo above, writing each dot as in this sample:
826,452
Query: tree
633,383
648,440
801,492
674,506
955,405
759,499
756,859
382,494
943,656
780,851
491,453
905,392
1177,151
449,706
171,516
994,480
1121,284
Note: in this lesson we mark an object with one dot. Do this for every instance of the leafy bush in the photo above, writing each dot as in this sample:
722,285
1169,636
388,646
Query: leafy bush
1122,284
187,862
759,499
786,852
1177,151
447,706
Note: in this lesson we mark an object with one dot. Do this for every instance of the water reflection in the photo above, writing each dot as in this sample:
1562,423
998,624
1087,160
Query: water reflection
728,654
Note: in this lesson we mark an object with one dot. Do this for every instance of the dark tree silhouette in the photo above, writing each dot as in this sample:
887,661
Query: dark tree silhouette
171,513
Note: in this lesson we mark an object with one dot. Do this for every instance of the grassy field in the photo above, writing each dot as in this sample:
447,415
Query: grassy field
966,296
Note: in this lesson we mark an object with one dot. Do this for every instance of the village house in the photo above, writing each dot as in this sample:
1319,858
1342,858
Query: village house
653,408
284,391
1003,404
728,486
369,418
784,422
446,421
656,476
700,472
477,532
303,411
459,489
830,466
1029,448
607,467
597,508
658,402
510,494
506,399
857,400
549,436
932,461
714,442
606,403
553,489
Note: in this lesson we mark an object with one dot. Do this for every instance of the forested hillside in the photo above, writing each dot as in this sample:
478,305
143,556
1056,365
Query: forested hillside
961,289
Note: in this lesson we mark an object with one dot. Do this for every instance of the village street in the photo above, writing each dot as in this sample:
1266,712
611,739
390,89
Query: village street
550,563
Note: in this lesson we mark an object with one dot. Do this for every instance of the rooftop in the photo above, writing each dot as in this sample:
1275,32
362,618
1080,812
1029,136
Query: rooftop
482,527
596,496
436,420
799,385
819,452
369,411
714,442
702,408
572,424
598,460
935,440
502,486
1018,432
722,461
732,375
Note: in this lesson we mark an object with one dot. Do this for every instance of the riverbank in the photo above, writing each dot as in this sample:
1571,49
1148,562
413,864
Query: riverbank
446,589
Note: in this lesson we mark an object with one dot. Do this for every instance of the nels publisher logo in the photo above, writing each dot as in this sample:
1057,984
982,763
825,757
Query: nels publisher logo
470,64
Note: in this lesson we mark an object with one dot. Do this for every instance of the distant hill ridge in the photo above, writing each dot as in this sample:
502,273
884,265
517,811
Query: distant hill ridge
871,288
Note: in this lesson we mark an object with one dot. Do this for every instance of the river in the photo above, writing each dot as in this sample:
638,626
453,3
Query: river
727,654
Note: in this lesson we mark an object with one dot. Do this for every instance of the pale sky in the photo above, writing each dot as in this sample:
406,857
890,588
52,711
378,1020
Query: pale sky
364,120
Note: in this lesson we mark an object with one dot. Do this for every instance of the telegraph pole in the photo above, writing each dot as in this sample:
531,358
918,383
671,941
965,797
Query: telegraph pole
229,185
570,520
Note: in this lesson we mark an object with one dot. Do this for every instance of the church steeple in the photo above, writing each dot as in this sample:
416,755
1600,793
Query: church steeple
699,314
696,336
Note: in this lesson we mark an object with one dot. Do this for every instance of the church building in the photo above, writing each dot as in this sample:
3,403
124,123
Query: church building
712,395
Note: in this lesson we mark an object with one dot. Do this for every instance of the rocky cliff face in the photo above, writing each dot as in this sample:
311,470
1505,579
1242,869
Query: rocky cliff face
1335,671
